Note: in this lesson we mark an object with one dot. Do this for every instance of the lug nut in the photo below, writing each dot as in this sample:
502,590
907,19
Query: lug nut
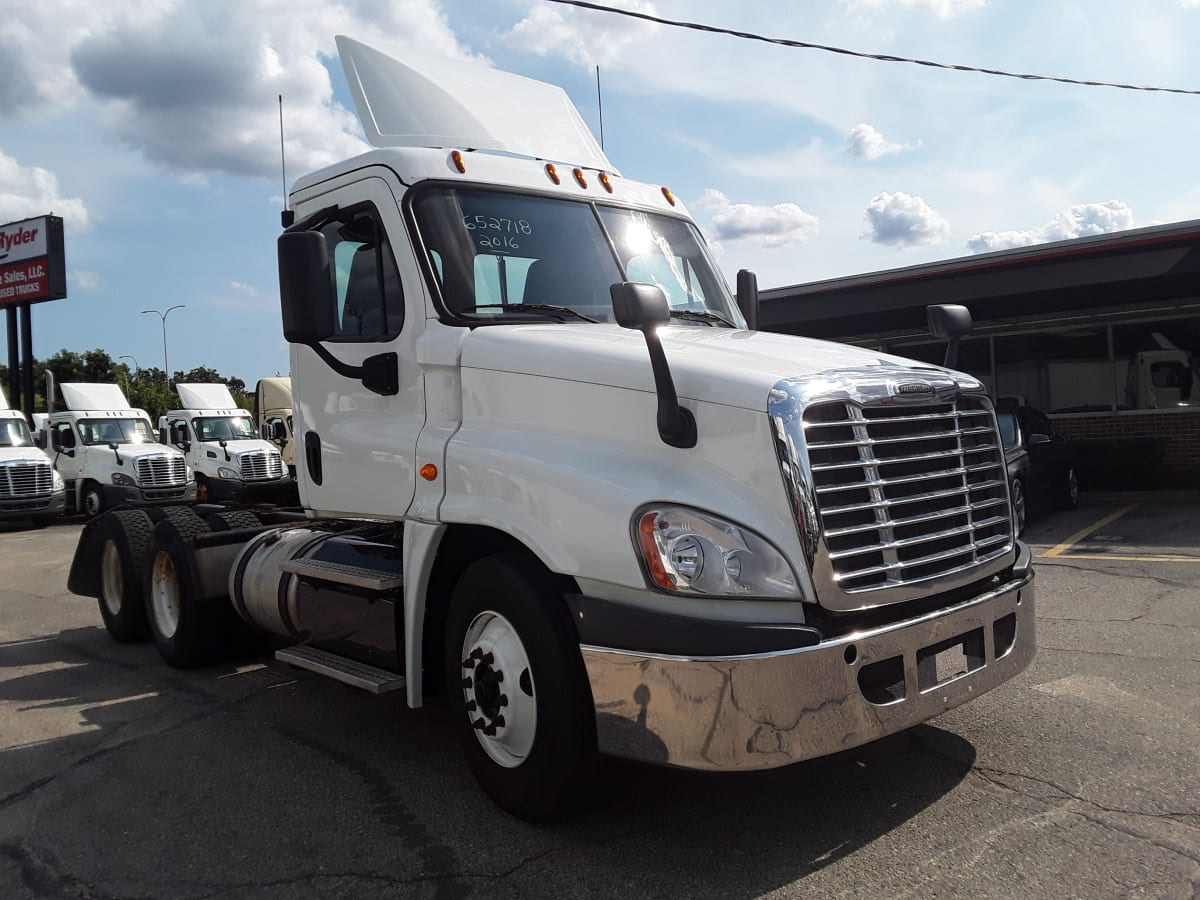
471,706
478,723
497,722
487,658
466,683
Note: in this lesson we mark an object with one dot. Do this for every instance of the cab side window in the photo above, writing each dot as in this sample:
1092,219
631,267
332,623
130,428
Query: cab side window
370,302
63,436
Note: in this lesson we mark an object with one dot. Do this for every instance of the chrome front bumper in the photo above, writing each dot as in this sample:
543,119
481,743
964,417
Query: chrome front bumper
768,710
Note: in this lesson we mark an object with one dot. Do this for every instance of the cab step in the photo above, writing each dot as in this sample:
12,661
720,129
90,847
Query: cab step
340,573
348,671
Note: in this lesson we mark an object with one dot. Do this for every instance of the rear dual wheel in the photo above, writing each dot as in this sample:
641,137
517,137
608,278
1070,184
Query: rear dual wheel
124,536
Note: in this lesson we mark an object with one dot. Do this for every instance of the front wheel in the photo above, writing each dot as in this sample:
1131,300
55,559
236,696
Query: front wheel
517,687
92,500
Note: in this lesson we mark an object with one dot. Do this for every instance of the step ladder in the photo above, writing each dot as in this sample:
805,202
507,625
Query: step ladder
348,671
342,574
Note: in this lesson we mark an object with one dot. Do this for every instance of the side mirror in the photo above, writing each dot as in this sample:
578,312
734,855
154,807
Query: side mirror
747,297
639,306
278,432
306,287
952,322
1038,440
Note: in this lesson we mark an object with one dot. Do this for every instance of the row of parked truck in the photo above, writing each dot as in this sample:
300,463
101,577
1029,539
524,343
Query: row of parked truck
100,452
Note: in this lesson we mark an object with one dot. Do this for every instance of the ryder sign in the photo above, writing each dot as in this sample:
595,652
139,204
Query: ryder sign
32,263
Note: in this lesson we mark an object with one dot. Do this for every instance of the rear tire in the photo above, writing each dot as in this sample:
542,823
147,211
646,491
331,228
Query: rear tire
529,735
123,536
187,628
233,519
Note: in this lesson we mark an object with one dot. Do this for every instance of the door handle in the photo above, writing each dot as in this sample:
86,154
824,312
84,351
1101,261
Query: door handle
312,456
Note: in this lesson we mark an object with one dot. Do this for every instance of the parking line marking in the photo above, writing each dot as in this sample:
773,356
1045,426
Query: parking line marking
1181,559
1080,535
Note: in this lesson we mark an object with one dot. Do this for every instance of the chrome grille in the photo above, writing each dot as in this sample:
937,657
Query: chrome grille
907,492
261,466
26,479
160,471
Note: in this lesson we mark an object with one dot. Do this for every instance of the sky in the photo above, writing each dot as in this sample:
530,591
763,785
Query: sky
151,127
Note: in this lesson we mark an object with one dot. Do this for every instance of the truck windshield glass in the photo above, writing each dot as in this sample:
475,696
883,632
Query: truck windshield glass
14,433
495,252
115,431
224,428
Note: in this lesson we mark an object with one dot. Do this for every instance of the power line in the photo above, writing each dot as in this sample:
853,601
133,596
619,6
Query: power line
878,57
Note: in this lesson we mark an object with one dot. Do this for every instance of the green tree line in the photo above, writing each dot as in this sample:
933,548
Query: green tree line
146,388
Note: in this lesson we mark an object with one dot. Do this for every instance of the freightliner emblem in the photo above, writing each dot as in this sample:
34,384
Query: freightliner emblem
914,387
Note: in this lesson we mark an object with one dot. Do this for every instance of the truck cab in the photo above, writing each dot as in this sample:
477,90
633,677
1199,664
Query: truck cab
108,454
224,453
273,413
30,488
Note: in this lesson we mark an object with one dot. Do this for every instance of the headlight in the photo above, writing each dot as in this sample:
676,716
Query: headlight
122,478
227,473
57,481
690,552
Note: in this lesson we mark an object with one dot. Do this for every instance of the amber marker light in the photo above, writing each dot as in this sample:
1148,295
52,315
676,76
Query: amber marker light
429,472
646,529
579,178
606,181
457,157
553,173
670,197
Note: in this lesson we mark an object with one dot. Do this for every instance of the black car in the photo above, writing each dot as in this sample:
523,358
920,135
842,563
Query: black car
1041,464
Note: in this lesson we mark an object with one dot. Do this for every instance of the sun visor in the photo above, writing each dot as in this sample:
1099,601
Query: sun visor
205,396
94,396
410,99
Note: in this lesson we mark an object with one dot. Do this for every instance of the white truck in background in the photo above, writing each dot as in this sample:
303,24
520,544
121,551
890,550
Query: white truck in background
1163,378
29,486
273,412
550,473
108,455
227,458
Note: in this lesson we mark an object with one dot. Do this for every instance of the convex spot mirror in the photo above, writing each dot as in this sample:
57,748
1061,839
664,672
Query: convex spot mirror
638,305
306,290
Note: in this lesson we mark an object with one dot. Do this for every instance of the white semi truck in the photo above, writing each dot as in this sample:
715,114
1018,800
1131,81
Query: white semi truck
29,486
273,411
227,458
108,454
549,474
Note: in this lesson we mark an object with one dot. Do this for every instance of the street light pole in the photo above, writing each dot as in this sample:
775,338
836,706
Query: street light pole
136,367
163,316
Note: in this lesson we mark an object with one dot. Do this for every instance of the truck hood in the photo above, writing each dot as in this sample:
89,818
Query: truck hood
22,454
133,451
718,365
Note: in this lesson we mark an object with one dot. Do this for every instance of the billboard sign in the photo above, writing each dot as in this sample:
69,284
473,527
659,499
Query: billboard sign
33,264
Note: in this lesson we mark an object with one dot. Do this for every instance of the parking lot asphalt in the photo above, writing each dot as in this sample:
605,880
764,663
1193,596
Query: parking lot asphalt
120,777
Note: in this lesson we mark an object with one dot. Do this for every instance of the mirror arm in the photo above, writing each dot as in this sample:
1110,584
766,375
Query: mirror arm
951,361
379,373
676,424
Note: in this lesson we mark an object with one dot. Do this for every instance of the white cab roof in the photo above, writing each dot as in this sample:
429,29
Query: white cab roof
410,99
205,396
80,395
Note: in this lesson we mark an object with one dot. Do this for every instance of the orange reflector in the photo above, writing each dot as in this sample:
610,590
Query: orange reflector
670,197
606,181
457,157
429,472
553,173
646,529
579,178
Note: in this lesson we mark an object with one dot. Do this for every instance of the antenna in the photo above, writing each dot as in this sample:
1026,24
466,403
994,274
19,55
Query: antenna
600,104
286,216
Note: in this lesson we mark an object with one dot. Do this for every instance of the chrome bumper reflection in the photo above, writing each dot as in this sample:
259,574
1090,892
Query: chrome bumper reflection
770,710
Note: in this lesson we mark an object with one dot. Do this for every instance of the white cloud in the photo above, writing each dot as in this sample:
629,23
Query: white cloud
903,220
771,226
1080,220
585,37
865,142
83,279
27,191
193,87
942,9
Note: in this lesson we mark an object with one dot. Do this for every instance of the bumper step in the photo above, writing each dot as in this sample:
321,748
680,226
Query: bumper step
348,671
339,573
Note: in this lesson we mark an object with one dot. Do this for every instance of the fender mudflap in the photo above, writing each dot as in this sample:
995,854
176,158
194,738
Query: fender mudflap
84,577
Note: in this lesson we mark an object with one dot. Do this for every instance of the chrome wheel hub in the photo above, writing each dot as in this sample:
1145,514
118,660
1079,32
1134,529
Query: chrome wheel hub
497,688
112,579
164,595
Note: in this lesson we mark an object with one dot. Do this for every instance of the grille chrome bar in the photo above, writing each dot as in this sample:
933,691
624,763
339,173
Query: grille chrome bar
160,470
260,465
920,539
869,442
916,520
26,479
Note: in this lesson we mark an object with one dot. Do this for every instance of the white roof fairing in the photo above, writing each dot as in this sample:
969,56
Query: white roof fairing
85,396
409,99
205,396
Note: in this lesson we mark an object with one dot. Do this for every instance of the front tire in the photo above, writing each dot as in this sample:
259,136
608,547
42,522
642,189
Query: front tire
92,500
517,688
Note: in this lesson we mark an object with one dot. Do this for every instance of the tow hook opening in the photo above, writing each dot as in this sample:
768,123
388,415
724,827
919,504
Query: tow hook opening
882,682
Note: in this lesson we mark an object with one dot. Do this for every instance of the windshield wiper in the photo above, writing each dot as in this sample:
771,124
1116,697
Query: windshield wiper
533,307
696,315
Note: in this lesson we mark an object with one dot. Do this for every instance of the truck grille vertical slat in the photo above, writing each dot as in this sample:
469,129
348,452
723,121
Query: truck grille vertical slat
907,492
261,466
30,479
160,471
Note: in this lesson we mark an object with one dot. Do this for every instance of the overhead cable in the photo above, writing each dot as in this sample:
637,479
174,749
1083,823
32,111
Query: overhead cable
878,57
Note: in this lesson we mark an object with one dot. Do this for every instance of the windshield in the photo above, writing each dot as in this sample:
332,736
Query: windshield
115,431
14,433
224,428
494,253
1008,429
